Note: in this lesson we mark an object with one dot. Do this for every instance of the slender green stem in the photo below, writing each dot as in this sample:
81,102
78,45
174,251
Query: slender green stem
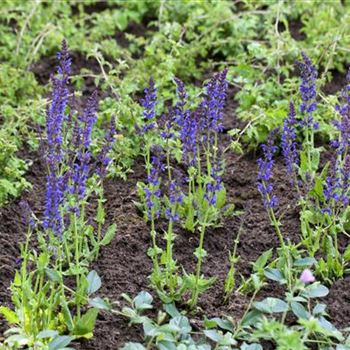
77,261
195,291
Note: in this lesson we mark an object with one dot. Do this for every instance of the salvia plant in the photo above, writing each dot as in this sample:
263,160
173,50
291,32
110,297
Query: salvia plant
323,194
194,198
47,301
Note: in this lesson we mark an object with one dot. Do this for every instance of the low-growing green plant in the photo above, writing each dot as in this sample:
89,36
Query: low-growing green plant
263,320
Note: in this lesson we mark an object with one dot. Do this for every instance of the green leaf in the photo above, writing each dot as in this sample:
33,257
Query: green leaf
99,303
316,290
143,301
330,328
86,324
53,275
305,262
171,310
109,235
60,342
275,275
299,310
213,335
271,305
48,333
251,318
319,309
66,313
94,282
182,324
9,315
347,254
218,322
262,260
133,346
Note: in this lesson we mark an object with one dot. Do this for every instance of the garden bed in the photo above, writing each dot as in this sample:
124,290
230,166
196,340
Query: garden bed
124,266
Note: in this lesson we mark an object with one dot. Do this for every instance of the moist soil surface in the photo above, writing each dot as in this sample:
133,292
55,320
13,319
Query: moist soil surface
124,265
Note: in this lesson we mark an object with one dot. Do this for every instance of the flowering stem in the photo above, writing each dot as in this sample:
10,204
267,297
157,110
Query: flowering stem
195,291
169,255
155,247
77,259
276,225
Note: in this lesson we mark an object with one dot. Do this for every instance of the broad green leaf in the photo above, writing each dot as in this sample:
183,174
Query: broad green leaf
271,305
48,333
275,275
316,290
218,322
171,310
94,282
99,303
213,335
305,262
143,301
86,324
182,323
299,310
60,342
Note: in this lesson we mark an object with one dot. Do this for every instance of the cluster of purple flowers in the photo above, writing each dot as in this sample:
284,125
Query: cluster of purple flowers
188,124
205,122
214,101
175,197
68,153
83,129
56,183
337,184
308,91
193,130
149,106
265,166
288,140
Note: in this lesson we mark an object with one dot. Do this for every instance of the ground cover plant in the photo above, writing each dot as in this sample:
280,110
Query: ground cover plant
180,181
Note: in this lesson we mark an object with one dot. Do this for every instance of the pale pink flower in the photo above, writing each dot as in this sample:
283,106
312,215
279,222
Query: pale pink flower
307,276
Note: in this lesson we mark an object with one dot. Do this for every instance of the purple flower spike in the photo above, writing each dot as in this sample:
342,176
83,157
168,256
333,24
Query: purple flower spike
288,140
54,124
149,104
265,166
308,91
307,277
214,101
337,183
188,125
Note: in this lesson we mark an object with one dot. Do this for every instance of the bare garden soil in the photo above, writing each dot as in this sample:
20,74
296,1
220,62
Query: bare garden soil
124,266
